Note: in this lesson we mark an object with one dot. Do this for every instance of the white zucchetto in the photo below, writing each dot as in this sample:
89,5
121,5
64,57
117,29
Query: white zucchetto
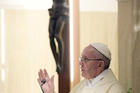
103,49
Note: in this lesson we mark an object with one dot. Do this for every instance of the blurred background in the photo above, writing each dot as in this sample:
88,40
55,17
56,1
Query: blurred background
25,48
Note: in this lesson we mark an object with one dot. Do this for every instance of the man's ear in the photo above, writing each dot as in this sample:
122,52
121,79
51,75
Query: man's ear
102,64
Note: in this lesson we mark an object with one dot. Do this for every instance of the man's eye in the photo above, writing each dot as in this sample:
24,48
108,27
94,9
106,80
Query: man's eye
85,59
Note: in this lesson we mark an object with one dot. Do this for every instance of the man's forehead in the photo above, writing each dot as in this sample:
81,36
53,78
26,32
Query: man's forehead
88,51
89,47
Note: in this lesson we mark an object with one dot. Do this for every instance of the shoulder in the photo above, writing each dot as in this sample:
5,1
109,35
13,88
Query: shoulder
116,88
111,84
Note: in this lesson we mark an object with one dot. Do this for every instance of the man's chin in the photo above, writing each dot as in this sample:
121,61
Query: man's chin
84,75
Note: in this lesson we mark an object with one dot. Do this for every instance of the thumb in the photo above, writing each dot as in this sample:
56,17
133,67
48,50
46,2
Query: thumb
52,79
51,82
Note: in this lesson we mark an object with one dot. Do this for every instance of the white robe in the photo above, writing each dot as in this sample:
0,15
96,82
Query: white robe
103,83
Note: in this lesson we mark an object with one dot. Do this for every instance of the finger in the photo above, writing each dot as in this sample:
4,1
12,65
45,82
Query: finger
41,74
52,78
39,81
46,73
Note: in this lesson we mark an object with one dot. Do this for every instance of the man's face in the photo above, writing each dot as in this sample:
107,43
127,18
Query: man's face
90,68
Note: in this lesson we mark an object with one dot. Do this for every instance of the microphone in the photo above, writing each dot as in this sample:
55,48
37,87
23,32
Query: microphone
43,82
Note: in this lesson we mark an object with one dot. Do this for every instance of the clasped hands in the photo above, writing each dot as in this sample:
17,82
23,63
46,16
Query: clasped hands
46,83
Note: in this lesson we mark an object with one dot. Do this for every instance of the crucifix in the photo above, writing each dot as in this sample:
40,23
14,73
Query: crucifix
59,16
59,41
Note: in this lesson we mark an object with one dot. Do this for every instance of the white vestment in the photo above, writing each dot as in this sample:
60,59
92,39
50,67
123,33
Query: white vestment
103,83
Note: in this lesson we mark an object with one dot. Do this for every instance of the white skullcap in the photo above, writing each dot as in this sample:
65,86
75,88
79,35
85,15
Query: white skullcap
103,49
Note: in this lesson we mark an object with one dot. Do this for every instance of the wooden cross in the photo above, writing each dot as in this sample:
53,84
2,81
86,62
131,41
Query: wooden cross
60,44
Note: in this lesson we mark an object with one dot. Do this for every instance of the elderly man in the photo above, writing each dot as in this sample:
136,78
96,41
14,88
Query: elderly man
94,62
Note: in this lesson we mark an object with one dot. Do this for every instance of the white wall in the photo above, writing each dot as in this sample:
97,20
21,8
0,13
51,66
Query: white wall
85,5
98,5
26,4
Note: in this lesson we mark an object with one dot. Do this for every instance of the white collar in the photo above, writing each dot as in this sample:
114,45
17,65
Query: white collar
94,81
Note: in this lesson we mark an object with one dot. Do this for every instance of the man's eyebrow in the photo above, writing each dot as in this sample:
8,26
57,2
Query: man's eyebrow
84,56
